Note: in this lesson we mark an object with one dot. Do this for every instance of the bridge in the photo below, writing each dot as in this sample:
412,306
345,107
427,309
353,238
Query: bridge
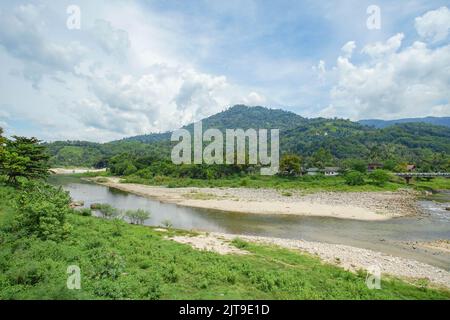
427,175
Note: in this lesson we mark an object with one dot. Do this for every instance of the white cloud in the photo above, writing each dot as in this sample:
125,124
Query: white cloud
146,93
113,41
22,36
414,81
434,25
163,99
348,48
379,49
255,99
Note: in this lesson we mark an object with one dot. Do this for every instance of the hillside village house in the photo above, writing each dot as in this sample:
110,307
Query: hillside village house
331,171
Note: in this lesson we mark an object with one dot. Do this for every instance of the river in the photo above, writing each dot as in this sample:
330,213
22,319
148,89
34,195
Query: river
395,236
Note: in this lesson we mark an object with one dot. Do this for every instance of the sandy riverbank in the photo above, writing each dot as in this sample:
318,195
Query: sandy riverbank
369,206
74,170
347,257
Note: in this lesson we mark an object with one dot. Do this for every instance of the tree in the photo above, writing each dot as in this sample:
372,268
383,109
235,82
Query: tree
24,157
290,165
137,216
357,165
354,178
379,177
43,210
322,158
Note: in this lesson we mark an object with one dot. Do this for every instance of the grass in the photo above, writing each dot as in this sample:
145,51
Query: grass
122,261
305,183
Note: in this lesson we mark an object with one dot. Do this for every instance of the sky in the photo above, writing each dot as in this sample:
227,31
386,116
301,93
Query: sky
104,70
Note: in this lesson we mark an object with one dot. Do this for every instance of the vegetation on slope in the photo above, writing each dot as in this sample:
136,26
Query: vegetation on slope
320,142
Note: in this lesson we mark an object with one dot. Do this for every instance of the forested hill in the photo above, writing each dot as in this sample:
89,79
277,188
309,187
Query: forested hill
438,121
332,139
238,116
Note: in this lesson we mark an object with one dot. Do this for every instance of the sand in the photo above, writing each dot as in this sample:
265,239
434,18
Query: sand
369,206
74,170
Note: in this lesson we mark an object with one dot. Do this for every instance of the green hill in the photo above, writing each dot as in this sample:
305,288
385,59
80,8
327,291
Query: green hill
438,121
424,144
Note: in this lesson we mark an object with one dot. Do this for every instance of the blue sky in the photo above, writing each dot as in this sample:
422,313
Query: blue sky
136,67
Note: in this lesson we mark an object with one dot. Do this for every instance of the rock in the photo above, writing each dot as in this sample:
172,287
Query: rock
447,208
75,204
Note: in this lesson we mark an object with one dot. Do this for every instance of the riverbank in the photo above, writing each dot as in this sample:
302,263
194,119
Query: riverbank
369,206
348,257
75,170
121,262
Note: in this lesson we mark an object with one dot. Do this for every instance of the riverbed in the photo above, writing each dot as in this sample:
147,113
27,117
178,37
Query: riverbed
396,236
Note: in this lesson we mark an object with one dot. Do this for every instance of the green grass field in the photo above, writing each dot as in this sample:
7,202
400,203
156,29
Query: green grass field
121,261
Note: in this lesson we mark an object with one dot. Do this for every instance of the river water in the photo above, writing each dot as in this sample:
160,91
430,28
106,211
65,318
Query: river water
395,236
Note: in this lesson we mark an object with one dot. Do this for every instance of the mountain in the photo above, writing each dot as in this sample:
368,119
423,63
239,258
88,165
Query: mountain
438,121
238,116
335,139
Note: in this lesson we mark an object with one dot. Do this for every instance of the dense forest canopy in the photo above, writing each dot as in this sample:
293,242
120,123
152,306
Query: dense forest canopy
319,142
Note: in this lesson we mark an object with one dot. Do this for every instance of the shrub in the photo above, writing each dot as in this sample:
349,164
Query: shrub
42,211
379,177
85,212
290,165
166,223
137,216
354,178
105,210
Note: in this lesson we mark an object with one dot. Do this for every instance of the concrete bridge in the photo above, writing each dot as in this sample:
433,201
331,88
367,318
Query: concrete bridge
427,175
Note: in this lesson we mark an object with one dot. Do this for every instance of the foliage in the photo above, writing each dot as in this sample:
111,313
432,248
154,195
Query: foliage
320,142
23,157
137,216
42,211
290,165
356,165
379,176
106,210
142,264
86,212
354,178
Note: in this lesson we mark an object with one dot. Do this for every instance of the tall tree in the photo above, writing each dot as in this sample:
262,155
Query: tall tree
24,157
290,165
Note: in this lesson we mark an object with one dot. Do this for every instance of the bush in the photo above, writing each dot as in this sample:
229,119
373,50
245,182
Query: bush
42,211
85,212
379,177
105,210
166,223
137,216
290,165
354,178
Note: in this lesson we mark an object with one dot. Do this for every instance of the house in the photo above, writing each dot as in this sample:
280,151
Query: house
410,167
374,166
331,171
312,171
